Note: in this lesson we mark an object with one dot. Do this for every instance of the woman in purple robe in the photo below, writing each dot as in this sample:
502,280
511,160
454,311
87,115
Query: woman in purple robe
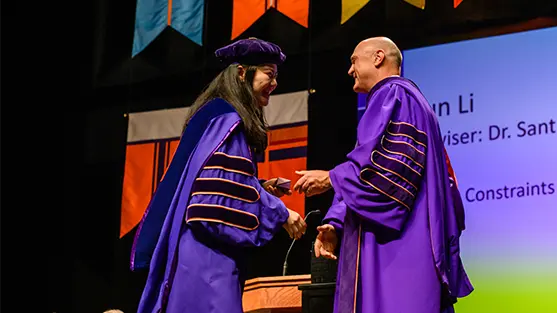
210,206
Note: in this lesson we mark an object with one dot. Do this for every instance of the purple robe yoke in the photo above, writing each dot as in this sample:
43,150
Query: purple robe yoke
394,211
213,211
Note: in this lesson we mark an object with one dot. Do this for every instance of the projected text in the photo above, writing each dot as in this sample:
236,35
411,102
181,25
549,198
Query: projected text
461,106
473,194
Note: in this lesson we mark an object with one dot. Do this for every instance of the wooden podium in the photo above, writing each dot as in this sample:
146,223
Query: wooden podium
277,294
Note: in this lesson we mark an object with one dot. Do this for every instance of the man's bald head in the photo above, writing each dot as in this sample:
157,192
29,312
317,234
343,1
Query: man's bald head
392,54
373,60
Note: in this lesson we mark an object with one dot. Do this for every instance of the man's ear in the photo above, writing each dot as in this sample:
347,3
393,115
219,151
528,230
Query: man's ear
379,58
241,72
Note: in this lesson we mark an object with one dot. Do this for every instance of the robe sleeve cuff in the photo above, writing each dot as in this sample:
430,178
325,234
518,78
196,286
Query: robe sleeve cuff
283,215
335,214
338,226
336,176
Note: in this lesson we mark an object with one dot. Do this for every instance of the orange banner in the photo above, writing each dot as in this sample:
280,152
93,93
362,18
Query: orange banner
145,164
286,154
246,12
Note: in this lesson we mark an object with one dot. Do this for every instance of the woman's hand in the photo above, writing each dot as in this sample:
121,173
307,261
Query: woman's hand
295,225
275,191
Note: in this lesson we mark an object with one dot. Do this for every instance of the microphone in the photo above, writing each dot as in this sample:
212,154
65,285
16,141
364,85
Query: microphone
285,265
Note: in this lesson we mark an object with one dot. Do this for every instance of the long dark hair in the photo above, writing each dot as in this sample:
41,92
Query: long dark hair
228,86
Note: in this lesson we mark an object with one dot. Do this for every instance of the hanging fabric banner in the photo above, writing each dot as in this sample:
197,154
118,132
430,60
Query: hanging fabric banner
420,4
351,7
247,12
153,16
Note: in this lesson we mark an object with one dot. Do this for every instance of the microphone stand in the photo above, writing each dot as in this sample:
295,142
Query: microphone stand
285,265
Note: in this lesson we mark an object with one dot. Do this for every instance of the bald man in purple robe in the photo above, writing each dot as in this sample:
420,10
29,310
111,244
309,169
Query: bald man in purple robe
396,216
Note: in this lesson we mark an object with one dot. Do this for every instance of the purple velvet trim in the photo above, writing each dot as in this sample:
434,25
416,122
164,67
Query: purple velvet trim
225,188
222,214
349,267
171,264
233,163
162,198
387,188
408,130
396,145
385,165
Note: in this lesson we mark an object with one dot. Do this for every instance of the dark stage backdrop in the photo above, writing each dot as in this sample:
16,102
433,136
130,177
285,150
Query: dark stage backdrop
89,271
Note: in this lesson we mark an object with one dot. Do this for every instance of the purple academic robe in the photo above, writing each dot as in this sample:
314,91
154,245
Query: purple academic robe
394,211
218,211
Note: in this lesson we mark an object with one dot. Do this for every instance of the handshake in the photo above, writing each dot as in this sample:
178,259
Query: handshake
310,183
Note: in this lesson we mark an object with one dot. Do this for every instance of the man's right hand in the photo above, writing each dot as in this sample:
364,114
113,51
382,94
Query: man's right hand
295,225
326,242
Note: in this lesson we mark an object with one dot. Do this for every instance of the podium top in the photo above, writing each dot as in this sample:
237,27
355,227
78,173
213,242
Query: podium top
274,294
277,281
